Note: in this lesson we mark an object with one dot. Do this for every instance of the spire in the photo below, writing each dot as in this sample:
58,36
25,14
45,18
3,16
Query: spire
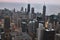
44,2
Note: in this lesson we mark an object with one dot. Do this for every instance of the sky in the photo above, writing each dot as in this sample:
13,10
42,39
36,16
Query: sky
50,9
34,1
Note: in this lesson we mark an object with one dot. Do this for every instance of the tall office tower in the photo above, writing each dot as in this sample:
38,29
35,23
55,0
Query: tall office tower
25,10
31,26
28,9
45,34
7,35
19,22
21,8
32,10
48,35
44,12
6,22
40,31
24,27
14,10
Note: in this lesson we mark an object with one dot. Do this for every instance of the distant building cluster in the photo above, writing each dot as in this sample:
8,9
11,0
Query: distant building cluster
26,24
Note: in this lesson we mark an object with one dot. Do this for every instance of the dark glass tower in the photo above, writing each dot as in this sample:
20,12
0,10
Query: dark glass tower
21,8
44,12
6,35
44,9
32,10
6,22
48,35
24,27
28,8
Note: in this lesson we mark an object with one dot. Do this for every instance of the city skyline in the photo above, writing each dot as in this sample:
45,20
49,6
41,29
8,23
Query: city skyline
53,6
26,24
50,9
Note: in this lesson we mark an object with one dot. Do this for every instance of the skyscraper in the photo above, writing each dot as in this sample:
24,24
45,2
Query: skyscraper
7,35
6,22
24,27
28,9
48,35
44,9
22,9
25,10
32,10
44,12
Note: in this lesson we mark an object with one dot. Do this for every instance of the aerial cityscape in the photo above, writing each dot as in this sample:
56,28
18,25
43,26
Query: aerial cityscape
29,24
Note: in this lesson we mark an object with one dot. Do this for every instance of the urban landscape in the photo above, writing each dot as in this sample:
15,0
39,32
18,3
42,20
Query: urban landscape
28,25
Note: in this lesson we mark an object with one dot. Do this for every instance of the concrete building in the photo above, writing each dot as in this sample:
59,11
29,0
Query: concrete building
40,31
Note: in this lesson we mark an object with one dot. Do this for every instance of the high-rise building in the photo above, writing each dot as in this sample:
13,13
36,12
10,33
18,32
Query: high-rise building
32,10
24,26
6,22
19,22
48,35
6,34
44,12
40,31
28,8
14,10
21,8
33,15
25,10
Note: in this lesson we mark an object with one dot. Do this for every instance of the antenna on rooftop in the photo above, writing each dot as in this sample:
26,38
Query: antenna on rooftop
44,2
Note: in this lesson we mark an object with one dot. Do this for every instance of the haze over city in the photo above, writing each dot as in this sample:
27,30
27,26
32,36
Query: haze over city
29,19
53,6
33,1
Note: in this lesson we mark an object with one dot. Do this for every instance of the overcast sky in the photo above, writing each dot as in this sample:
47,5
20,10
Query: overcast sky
34,1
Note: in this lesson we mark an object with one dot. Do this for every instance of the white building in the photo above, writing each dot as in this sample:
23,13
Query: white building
39,31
